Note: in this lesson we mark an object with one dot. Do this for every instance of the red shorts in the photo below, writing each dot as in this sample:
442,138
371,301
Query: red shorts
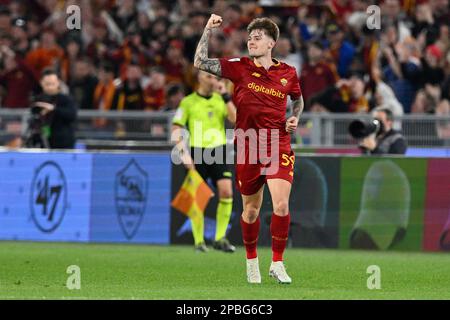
251,177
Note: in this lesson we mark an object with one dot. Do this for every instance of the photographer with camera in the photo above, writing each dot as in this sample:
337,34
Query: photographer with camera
53,116
377,136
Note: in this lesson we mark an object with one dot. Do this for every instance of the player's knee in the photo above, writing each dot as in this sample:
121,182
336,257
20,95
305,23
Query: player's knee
281,208
250,214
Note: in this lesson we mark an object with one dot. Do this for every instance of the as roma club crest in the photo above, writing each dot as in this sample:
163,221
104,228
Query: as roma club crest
131,197
284,82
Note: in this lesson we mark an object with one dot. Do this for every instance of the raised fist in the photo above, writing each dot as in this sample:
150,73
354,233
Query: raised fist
214,22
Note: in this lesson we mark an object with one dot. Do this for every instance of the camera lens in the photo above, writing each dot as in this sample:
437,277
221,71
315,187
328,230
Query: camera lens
359,129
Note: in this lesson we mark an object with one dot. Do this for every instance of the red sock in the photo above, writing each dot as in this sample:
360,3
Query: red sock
279,228
250,233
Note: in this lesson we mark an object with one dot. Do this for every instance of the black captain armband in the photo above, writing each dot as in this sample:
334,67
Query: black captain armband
226,97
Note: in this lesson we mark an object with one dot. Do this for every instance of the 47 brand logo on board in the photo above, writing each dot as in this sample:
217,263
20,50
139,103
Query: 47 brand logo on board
131,197
48,197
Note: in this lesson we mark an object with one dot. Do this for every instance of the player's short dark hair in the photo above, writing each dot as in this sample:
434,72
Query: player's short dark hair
49,72
265,24
387,112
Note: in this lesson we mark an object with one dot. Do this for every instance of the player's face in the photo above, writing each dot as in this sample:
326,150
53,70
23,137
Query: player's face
259,43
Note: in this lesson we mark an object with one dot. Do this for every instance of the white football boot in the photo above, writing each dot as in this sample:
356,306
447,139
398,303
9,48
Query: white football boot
253,274
278,271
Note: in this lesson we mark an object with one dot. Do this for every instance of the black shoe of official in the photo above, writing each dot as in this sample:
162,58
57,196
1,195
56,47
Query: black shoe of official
201,248
224,245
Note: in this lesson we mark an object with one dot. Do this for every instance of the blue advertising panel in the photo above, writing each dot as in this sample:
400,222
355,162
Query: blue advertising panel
131,198
428,152
45,196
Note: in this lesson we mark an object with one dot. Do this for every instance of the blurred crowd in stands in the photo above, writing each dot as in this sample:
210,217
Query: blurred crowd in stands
138,54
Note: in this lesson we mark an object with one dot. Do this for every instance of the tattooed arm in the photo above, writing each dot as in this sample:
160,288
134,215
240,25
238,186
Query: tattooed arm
201,60
297,109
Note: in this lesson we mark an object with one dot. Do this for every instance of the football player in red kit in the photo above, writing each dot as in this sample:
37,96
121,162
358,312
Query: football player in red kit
262,134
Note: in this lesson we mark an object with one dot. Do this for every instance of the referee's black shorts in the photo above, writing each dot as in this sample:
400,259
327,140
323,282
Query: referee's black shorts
213,164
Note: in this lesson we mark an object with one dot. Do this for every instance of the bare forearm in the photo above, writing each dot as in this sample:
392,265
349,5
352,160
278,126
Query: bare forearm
177,135
180,144
297,107
231,108
201,60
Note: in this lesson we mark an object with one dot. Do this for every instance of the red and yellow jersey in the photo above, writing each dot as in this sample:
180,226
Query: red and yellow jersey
260,95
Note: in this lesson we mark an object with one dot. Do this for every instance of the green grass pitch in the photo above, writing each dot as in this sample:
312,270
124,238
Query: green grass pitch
38,271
